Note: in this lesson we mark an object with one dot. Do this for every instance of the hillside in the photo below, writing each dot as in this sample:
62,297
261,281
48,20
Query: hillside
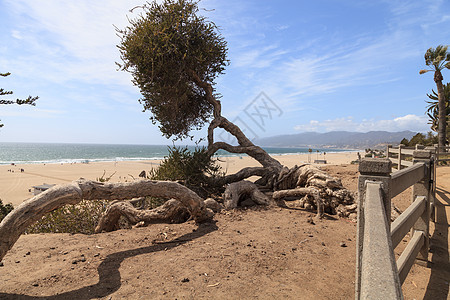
336,139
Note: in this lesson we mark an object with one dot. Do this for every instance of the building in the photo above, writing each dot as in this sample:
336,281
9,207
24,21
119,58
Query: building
40,188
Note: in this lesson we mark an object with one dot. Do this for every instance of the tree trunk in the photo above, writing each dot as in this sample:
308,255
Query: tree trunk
30,211
245,145
442,122
273,175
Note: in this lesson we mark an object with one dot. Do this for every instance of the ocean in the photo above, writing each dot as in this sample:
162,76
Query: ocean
39,153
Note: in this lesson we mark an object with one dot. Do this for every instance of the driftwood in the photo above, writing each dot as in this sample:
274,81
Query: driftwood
310,191
238,191
172,211
314,189
30,211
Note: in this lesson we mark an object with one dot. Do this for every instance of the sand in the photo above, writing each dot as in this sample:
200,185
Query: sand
254,253
16,186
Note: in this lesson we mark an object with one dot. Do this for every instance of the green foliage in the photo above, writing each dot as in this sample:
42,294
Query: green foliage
196,170
30,100
165,48
433,107
5,209
421,139
438,59
405,142
78,218
105,179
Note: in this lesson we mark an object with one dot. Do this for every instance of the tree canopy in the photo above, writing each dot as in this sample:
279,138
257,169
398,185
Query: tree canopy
420,139
30,100
169,50
438,59
433,107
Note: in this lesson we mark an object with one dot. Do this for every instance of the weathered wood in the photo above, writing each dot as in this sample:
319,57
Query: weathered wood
296,192
408,256
379,276
30,211
237,191
172,211
403,179
244,174
403,151
317,189
402,225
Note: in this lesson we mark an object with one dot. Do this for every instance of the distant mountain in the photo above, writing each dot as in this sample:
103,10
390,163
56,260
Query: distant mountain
336,139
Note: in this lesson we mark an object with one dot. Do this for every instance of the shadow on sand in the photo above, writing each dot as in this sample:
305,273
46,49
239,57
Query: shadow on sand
108,270
438,286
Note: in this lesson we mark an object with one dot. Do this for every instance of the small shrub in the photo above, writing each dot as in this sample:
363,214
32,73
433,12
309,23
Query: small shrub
5,209
196,170
78,218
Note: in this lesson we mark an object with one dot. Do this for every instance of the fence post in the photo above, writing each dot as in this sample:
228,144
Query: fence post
434,162
423,188
399,164
370,169
436,154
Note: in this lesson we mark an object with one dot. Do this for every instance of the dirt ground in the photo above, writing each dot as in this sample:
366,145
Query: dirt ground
254,253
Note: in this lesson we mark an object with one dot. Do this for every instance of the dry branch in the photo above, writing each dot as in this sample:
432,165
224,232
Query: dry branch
172,211
237,191
30,211
314,189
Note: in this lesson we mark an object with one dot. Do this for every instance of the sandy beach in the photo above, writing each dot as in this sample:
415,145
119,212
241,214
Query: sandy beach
16,186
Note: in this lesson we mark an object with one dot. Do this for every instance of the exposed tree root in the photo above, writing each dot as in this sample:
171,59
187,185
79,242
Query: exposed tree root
314,189
172,211
238,191
30,211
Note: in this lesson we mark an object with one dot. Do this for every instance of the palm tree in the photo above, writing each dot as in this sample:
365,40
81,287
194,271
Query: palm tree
438,59
433,109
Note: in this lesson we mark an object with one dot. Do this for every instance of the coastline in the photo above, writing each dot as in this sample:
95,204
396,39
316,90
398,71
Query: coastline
15,186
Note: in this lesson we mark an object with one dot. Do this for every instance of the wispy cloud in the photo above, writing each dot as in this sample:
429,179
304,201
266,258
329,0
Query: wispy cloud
31,112
332,63
408,122
69,40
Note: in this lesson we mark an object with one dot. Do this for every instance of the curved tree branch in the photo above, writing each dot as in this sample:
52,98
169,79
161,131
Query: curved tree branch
30,211
207,87
254,151
246,146
172,211
243,174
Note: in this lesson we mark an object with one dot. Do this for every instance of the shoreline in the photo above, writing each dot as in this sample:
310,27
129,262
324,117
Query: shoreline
156,158
16,186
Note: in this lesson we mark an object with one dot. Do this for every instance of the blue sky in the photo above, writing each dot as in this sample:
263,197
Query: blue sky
321,65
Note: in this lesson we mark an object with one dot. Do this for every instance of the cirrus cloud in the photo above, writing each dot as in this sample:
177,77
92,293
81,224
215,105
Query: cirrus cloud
408,122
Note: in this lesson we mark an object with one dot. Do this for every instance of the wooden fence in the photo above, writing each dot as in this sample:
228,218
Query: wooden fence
378,274
399,155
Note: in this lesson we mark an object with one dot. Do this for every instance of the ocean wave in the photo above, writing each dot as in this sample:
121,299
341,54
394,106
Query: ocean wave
78,160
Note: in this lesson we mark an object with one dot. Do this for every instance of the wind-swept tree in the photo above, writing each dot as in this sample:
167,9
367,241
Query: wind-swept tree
437,60
174,56
30,100
433,108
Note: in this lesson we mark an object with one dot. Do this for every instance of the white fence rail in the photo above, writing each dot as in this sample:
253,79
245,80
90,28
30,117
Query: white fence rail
378,274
